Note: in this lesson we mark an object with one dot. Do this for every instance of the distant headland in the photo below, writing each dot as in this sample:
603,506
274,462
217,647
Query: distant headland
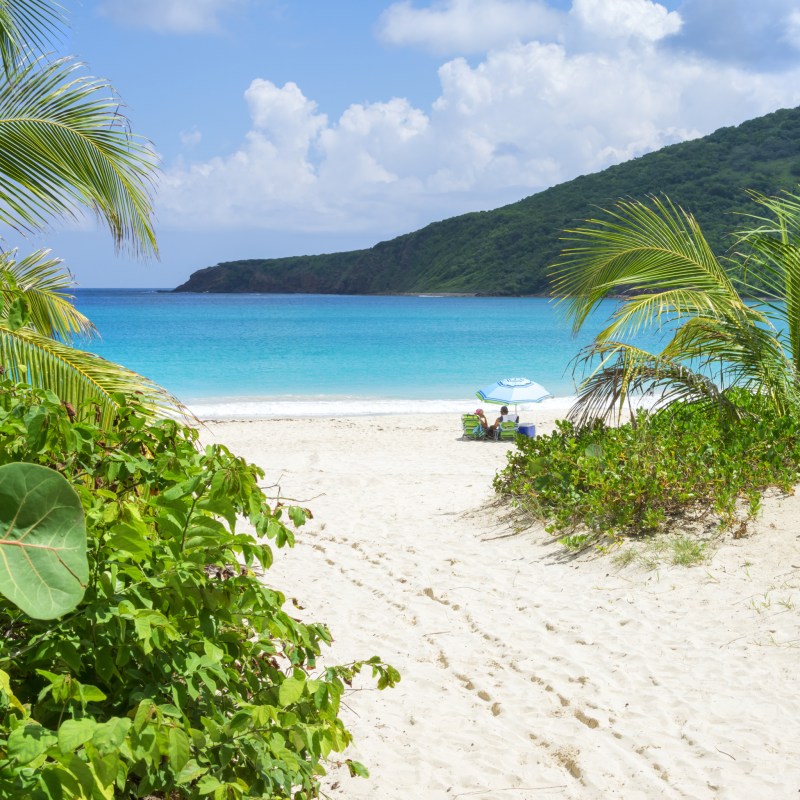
507,251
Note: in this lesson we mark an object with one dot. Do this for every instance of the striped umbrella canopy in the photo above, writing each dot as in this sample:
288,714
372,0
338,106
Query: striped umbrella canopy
513,390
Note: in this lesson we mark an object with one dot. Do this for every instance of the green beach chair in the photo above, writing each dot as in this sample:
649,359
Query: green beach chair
506,431
472,427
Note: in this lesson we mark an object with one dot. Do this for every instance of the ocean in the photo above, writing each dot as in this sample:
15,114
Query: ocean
247,355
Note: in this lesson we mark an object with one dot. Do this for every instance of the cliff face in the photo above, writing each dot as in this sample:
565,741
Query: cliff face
507,251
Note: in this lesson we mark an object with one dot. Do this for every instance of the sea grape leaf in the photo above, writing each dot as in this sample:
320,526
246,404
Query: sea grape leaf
29,742
72,733
179,748
291,690
43,564
594,451
110,735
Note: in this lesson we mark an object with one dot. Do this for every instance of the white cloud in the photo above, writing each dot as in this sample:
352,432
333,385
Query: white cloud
793,29
169,16
467,26
190,138
616,19
476,26
526,116
284,116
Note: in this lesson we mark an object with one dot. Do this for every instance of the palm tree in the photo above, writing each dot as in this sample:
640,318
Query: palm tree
37,325
64,146
64,141
654,258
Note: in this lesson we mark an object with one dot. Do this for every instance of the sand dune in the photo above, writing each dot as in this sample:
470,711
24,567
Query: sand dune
526,674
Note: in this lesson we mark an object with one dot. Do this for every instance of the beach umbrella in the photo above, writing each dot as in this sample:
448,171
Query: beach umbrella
513,390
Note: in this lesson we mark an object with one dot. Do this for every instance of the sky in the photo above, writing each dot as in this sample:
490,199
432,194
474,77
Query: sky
290,128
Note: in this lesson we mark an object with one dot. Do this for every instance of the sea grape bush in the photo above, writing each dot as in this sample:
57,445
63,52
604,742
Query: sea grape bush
179,675
596,482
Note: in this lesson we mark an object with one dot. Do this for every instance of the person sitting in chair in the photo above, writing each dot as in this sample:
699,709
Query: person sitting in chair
504,417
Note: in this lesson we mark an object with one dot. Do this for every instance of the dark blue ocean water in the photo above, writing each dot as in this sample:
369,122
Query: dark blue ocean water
264,353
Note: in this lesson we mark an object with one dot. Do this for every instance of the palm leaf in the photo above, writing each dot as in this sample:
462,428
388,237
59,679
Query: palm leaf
77,377
774,254
657,256
45,285
625,371
64,144
26,26
746,353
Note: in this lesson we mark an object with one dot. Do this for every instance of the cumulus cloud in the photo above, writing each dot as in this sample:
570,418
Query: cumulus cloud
620,19
477,26
467,26
169,16
527,115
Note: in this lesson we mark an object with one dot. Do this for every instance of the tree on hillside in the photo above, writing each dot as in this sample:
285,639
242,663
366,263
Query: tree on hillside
65,145
655,257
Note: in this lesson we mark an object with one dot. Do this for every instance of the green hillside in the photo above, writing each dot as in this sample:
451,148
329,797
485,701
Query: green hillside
507,251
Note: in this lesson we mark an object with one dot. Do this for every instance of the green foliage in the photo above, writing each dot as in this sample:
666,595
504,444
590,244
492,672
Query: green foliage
595,482
655,255
687,552
507,251
179,675
37,324
43,566
64,142
65,145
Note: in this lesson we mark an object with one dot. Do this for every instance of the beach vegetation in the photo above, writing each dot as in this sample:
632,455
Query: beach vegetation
66,148
595,484
722,423
686,551
38,326
178,673
654,257
141,654
65,143
653,552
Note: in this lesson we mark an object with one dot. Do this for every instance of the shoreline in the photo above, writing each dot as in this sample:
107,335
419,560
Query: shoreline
254,409
526,671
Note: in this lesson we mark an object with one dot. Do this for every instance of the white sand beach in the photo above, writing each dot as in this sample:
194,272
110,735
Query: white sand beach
526,673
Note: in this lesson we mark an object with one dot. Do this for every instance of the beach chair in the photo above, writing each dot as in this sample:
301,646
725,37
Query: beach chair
506,431
472,427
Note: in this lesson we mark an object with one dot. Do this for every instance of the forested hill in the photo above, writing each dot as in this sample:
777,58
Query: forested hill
507,251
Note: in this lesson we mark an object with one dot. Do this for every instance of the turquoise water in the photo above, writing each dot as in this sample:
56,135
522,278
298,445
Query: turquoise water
262,354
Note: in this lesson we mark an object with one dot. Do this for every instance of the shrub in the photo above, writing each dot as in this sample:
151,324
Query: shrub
596,481
179,675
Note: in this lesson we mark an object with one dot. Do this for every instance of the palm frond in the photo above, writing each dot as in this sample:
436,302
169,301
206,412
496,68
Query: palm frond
26,26
656,257
774,251
744,351
78,377
64,144
659,309
626,371
45,285
641,250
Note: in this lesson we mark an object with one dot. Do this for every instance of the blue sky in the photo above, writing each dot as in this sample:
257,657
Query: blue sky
286,128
